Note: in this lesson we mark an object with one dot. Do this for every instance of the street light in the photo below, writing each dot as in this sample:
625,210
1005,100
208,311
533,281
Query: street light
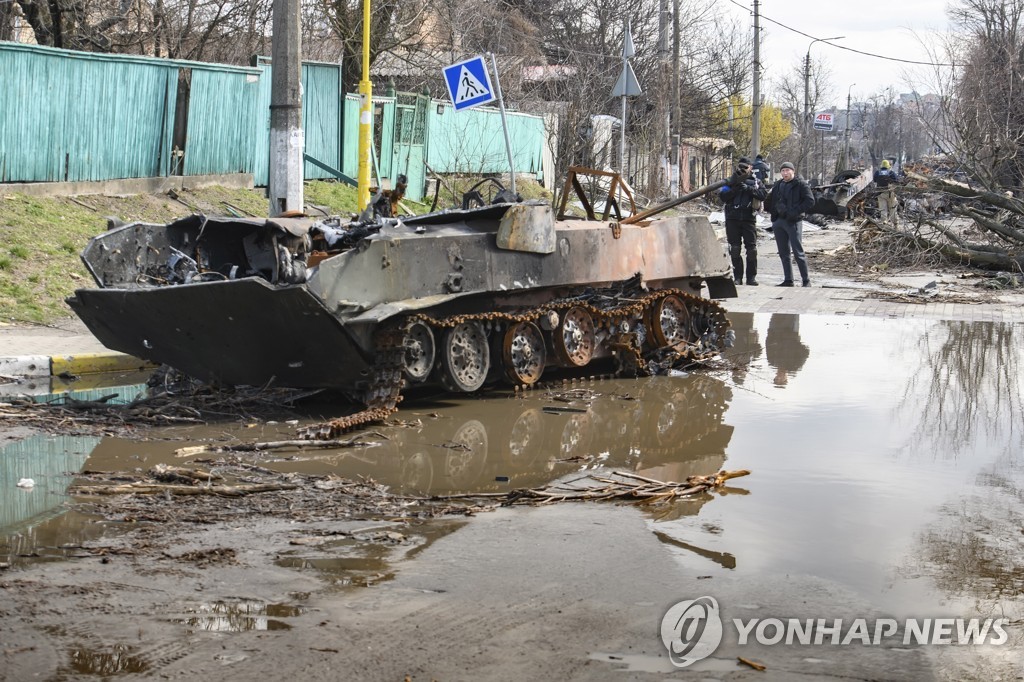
807,74
846,134
807,93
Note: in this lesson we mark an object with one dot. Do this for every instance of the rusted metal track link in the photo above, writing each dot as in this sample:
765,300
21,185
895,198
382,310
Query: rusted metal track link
707,324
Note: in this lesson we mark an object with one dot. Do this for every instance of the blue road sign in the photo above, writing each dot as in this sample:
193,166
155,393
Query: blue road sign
469,84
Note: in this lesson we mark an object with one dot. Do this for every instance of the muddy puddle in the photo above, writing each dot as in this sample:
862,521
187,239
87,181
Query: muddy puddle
885,456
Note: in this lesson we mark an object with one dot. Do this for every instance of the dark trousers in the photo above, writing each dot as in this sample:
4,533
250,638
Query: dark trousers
789,238
739,234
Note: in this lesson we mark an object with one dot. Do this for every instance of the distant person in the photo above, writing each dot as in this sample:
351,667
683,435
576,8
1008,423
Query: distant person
739,197
783,348
788,201
885,177
761,169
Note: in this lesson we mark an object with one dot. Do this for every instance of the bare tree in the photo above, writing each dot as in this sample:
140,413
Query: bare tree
984,107
795,91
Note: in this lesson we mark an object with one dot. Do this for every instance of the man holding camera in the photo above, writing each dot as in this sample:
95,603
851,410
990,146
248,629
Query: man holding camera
742,197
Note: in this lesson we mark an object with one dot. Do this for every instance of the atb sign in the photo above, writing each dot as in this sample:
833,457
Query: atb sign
469,84
824,120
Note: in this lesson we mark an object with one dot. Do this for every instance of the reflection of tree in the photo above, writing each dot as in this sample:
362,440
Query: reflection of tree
969,379
974,551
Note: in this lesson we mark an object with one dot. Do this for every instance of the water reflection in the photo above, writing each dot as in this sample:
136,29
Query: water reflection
671,425
104,663
973,550
968,385
747,348
783,347
240,616
31,521
48,461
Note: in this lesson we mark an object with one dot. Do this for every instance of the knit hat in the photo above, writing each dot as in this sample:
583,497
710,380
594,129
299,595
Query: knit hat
787,164
744,160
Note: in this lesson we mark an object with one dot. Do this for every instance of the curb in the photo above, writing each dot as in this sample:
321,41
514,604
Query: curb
76,364
40,375
96,363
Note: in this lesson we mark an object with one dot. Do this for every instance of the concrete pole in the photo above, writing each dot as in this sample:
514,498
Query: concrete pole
807,107
287,142
675,100
846,133
755,129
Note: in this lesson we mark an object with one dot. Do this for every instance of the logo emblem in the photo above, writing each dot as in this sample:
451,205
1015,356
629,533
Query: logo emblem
691,630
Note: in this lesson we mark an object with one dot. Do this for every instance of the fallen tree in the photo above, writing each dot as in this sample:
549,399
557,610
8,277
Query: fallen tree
997,216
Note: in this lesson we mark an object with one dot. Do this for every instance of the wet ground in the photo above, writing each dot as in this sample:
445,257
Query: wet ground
887,479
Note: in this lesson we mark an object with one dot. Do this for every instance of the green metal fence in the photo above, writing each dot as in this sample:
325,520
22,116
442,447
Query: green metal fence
223,111
73,116
471,141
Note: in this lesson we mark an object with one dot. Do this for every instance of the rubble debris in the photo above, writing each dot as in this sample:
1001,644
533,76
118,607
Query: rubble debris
130,495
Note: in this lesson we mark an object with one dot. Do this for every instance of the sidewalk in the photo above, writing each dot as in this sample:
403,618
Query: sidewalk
830,294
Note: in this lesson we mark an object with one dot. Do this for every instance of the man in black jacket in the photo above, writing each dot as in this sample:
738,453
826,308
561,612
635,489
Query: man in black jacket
761,171
789,199
740,222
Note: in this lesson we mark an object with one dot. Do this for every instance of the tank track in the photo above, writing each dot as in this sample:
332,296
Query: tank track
382,392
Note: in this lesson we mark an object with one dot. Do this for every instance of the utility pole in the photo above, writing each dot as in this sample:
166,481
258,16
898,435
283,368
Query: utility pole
663,149
365,117
675,99
846,133
755,129
286,137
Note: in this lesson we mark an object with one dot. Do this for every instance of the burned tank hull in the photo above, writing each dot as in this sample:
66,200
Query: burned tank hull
302,303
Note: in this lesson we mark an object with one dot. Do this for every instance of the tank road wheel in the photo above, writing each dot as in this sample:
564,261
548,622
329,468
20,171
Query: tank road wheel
523,353
465,357
419,352
574,338
670,321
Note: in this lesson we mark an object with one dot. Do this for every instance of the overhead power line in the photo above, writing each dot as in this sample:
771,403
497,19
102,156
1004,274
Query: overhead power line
843,47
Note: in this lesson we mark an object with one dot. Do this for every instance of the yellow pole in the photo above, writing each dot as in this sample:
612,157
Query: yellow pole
365,114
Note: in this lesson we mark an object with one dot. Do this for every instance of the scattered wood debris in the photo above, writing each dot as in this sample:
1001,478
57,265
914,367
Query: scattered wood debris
917,298
753,664
254,489
192,404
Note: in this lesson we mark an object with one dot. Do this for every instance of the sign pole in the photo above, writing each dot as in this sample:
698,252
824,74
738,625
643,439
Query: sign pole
821,157
504,123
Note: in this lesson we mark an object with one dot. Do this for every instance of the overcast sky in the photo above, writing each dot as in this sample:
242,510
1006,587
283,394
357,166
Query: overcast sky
893,28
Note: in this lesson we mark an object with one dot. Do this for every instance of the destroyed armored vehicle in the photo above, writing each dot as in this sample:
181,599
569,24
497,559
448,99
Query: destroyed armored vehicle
460,298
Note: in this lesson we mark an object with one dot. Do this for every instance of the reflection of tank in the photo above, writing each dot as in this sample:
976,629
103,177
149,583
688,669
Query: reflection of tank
458,297
676,423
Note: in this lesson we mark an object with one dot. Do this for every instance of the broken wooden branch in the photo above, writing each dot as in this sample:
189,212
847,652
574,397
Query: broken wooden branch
193,450
142,488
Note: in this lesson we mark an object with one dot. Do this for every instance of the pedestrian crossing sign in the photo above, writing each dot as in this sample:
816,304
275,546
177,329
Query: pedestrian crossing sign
469,84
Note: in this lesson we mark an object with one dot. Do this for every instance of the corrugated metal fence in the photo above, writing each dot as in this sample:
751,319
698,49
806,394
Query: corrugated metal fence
74,116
